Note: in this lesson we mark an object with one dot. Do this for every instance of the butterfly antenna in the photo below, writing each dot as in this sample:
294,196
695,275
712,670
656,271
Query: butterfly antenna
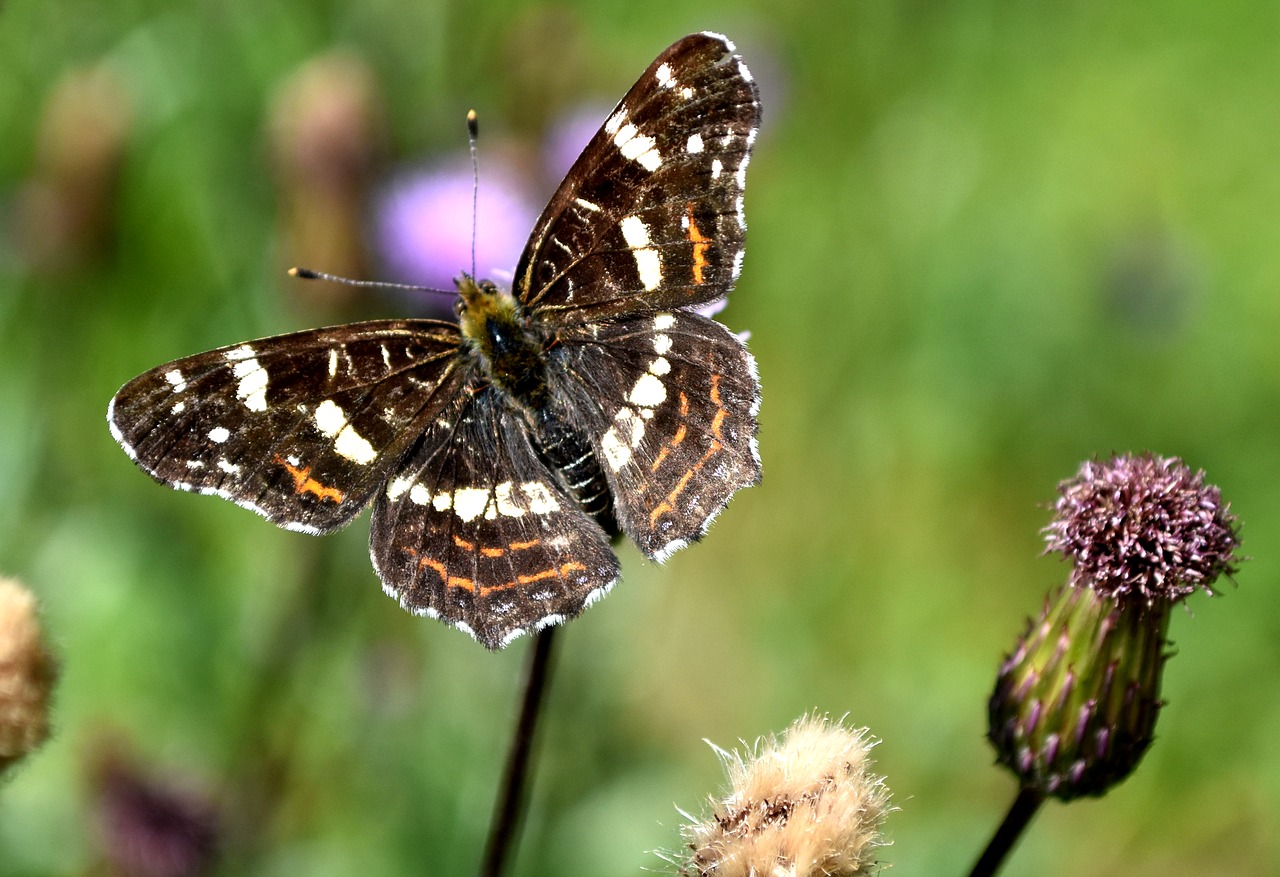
473,133
308,274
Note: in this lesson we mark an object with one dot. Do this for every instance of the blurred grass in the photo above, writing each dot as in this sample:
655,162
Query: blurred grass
988,241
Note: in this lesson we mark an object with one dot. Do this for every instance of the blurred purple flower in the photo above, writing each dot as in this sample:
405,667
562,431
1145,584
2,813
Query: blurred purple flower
153,830
567,136
423,223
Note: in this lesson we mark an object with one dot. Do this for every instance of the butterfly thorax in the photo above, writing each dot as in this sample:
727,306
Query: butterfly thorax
512,356
510,352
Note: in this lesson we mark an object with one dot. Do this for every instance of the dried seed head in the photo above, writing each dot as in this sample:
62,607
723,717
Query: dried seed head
27,675
805,806
1144,526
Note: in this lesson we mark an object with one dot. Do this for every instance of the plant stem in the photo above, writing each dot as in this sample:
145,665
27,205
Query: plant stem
511,796
1015,822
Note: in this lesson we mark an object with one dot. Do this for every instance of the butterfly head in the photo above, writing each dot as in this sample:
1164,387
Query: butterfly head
494,326
481,307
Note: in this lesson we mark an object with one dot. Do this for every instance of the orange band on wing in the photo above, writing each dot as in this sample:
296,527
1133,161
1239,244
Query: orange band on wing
700,244
304,483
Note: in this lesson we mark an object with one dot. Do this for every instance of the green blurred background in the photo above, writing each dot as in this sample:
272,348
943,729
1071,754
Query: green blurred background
988,241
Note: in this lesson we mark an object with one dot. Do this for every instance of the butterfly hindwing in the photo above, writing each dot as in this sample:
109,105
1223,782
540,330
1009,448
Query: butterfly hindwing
669,400
475,529
651,214
301,428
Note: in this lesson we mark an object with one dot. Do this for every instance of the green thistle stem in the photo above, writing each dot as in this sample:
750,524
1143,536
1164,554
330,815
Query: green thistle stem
511,798
1024,807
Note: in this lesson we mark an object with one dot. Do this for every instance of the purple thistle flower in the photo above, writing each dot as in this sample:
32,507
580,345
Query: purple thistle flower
1143,525
423,222
1075,704
568,135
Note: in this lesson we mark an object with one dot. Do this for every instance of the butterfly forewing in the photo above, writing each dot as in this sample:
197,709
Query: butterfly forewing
475,529
651,214
669,400
301,428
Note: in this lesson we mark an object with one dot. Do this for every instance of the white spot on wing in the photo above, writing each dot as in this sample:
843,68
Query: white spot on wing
638,147
331,420
694,146
716,168
663,322
540,498
616,453
661,344
648,263
470,503
588,205
228,467
176,380
244,351
333,361
615,122
398,485
219,434
622,437
665,79
506,506
252,388
648,392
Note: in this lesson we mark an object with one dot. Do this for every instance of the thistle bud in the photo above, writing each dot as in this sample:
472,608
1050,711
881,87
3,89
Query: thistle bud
1075,706
27,675
807,806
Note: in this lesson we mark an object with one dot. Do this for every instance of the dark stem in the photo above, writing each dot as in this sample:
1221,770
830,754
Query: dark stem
1015,821
511,796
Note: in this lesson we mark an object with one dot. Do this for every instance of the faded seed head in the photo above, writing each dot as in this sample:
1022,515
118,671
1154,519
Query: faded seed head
806,805
27,675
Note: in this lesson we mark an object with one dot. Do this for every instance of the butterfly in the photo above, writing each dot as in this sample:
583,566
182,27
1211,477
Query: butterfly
503,453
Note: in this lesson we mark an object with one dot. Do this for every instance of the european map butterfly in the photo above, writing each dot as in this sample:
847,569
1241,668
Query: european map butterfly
503,453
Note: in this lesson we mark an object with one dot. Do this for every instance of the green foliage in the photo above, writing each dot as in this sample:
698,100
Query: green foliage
987,241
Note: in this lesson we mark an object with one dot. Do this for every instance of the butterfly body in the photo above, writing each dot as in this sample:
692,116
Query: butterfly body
501,454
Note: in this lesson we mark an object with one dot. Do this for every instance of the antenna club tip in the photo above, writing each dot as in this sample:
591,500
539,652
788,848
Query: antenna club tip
304,273
471,122
293,272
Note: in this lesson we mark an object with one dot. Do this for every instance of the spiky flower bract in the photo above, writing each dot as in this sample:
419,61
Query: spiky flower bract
1075,705
808,805
1145,526
27,675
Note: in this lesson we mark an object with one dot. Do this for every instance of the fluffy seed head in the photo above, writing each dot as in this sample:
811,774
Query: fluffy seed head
1145,526
805,806
27,675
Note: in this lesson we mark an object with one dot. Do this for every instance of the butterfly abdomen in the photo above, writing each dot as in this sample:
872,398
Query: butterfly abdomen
571,456
512,354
